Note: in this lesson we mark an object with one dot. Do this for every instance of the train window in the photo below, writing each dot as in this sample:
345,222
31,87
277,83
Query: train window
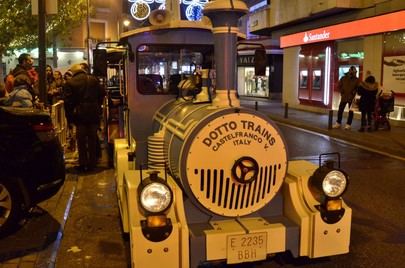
162,67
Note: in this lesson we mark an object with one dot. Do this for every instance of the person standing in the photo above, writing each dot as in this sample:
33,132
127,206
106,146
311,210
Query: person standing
368,92
20,96
67,75
347,87
51,88
24,67
83,96
59,81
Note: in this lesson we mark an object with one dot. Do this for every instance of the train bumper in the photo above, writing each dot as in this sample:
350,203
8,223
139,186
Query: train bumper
193,240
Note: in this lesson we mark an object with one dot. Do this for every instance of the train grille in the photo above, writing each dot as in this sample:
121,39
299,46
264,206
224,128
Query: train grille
225,196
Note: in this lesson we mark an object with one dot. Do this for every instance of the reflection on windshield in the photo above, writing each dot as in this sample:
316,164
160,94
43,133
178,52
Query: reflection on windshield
162,67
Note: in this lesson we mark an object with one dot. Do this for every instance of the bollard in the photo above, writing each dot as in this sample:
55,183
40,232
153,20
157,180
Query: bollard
286,110
256,106
330,119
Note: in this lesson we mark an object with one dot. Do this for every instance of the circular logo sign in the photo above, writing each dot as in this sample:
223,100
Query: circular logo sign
245,169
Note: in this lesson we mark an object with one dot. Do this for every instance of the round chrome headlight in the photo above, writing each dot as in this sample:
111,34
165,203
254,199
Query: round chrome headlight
334,183
156,197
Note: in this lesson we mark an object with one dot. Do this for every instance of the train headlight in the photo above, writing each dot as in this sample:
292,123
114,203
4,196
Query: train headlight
156,197
334,183
328,183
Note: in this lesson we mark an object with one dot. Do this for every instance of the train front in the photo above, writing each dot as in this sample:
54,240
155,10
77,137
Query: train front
210,181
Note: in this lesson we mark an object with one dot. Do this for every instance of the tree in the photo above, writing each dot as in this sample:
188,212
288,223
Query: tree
19,28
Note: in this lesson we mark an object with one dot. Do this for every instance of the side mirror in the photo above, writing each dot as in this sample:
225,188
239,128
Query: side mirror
260,62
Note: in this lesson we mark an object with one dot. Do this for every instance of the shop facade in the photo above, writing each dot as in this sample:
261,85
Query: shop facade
248,83
268,86
315,60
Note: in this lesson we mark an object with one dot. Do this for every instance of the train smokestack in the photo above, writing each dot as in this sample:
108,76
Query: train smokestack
224,15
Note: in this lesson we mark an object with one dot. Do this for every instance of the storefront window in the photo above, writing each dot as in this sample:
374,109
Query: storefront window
394,64
251,85
303,78
316,79
350,53
343,69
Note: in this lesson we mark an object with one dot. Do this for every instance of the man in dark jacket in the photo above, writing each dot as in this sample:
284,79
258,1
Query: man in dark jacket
83,97
347,87
25,67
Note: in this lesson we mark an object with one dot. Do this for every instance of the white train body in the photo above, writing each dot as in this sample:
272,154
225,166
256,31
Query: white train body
225,190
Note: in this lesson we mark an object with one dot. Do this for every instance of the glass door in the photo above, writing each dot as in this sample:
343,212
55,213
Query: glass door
314,74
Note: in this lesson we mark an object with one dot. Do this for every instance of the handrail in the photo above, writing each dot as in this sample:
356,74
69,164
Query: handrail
59,121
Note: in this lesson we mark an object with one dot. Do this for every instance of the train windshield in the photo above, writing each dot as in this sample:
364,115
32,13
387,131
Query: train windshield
162,67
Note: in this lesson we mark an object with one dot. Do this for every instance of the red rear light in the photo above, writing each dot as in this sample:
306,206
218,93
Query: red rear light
43,127
44,131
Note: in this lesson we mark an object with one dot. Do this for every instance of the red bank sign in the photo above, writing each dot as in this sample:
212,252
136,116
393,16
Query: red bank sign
379,24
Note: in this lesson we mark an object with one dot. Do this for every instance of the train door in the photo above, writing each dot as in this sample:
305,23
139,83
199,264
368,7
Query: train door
109,67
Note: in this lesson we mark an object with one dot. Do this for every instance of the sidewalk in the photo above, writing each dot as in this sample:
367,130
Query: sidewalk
35,244
390,142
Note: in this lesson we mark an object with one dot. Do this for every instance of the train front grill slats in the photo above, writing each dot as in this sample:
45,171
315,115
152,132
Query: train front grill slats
225,193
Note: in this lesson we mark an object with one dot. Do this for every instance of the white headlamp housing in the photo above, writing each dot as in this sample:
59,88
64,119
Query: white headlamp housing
334,183
328,183
155,195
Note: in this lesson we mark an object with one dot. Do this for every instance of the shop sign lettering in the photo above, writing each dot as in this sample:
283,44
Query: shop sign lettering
239,133
310,37
246,60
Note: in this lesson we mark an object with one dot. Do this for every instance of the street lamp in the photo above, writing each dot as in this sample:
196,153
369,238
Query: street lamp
126,22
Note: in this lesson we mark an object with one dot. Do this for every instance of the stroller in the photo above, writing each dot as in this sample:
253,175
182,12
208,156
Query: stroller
384,105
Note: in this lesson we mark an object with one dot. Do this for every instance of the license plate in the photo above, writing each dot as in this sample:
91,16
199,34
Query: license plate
246,248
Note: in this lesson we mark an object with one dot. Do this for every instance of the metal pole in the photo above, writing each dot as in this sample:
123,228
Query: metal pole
286,110
330,119
42,50
256,106
54,50
88,35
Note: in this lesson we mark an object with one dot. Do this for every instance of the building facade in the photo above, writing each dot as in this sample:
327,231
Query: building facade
102,24
322,39
267,86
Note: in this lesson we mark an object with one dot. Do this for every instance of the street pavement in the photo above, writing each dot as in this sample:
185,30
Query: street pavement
81,222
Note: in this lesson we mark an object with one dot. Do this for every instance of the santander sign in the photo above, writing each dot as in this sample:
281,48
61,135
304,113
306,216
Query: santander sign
310,37
367,26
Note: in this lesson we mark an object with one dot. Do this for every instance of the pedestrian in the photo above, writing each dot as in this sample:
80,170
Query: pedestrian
347,87
59,81
25,67
3,92
83,96
368,92
51,86
20,96
67,75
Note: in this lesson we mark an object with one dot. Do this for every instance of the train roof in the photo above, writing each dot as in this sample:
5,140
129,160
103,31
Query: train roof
204,24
